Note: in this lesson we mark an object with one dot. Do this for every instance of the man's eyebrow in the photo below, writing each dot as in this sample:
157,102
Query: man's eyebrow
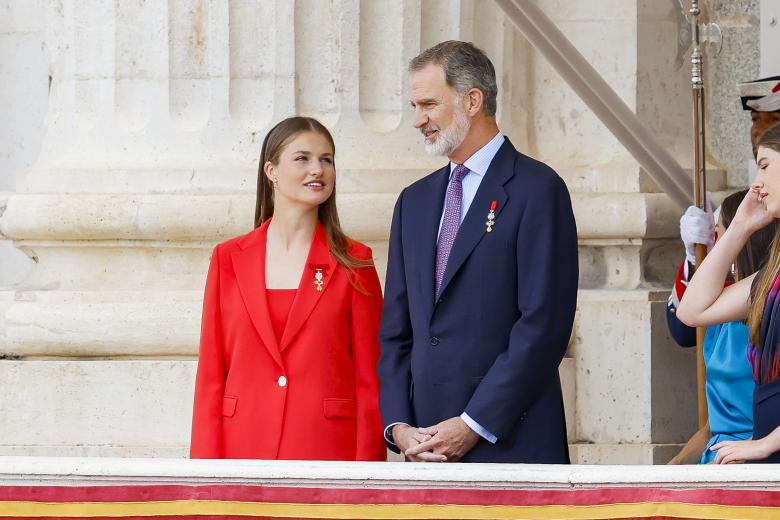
424,101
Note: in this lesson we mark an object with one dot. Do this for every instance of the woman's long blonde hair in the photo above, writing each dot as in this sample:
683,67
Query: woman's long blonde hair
762,284
273,145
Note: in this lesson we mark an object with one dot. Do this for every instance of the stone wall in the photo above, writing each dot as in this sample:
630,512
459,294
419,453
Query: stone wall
155,117
23,95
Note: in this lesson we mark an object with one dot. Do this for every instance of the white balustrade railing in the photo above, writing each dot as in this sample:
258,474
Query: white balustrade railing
121,488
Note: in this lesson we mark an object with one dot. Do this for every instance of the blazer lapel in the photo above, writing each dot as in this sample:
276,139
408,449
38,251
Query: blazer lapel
308,296
249,266
429,218
473,227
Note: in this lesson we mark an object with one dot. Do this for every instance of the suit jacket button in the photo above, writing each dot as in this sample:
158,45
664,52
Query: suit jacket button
282,381
434,341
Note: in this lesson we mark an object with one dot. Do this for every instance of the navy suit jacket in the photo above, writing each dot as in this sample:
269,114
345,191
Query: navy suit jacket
490,345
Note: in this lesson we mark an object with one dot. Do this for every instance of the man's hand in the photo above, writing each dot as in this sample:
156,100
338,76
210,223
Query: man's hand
407,438
451,438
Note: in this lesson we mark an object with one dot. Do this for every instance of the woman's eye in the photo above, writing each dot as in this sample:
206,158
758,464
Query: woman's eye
327,160
300,158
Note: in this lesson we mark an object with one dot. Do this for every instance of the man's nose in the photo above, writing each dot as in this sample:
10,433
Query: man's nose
420,119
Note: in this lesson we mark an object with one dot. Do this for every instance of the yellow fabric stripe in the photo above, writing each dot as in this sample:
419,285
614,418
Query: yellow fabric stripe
385,511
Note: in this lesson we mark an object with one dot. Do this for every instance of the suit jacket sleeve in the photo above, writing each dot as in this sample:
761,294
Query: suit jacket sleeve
366,313
395,335
210,379
681,333
547,273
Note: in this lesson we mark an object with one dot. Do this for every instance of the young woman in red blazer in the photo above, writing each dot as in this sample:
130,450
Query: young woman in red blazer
289,339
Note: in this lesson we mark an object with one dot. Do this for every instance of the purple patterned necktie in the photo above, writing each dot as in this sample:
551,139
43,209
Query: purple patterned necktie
450,223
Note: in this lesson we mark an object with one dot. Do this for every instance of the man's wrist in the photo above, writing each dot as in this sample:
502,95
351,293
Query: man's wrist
394,429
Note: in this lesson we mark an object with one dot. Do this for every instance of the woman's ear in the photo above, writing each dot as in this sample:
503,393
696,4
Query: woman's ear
270,171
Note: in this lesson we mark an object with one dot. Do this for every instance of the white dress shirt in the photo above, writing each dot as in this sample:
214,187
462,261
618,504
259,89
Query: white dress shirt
478,165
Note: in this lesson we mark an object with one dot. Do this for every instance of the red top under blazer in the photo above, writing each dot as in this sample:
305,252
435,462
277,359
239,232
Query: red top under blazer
311,396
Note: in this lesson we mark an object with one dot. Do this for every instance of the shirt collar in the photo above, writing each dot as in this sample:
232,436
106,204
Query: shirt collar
479,162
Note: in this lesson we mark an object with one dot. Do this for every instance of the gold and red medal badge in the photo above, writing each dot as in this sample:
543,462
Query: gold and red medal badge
491,218
319,275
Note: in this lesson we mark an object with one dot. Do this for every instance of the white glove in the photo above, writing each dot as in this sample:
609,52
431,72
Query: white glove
696,227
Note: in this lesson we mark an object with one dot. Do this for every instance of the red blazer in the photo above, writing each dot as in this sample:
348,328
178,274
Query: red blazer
311,396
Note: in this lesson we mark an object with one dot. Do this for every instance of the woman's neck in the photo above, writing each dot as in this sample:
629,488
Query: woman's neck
292,225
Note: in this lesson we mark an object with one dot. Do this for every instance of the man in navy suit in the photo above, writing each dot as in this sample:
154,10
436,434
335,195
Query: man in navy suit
481,283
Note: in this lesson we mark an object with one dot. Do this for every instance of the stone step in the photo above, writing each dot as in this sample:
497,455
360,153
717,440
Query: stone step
129,407
223,179
625,177
124,408
210,218
612,177
639,453
116,265
164,323
144,323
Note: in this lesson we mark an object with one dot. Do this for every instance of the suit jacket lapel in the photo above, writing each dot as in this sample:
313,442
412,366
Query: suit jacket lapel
249,266
429,219
308,296
473,227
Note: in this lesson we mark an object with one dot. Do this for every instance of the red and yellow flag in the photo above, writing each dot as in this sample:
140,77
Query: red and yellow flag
252,501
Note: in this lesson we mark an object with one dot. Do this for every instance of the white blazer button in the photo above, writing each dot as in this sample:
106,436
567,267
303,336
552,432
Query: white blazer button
282,381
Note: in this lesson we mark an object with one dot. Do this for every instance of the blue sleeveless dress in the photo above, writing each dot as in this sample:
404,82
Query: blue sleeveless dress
729,385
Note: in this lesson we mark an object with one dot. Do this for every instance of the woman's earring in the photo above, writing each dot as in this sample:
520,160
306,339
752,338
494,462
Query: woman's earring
276,182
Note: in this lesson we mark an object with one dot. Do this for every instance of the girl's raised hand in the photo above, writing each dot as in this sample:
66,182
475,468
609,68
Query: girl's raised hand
752,213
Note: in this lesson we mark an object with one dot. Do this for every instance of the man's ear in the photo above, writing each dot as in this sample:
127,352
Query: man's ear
474,101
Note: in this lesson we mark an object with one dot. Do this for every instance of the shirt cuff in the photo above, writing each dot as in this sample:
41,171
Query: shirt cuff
474,425
388,436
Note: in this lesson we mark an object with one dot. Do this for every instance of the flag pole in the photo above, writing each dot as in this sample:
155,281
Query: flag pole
699,185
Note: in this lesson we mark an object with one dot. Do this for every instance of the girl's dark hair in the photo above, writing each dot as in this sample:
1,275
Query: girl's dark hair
756,251
273,145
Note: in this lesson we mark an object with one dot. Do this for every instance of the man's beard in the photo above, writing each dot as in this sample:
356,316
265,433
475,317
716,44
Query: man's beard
452,136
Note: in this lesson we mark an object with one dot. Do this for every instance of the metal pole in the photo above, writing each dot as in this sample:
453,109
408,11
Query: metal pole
699,186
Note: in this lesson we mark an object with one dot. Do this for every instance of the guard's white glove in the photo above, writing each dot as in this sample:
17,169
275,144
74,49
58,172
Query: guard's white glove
697,227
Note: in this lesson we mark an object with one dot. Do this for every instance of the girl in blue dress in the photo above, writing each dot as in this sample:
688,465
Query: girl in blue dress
729,382
755,298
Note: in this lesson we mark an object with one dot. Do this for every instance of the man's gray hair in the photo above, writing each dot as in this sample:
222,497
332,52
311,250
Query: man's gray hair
465,67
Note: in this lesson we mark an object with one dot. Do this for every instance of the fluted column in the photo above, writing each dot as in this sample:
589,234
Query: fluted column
156,115
157,111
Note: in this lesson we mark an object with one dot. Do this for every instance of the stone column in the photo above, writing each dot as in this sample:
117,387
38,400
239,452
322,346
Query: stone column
634,388
156,115
770,38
